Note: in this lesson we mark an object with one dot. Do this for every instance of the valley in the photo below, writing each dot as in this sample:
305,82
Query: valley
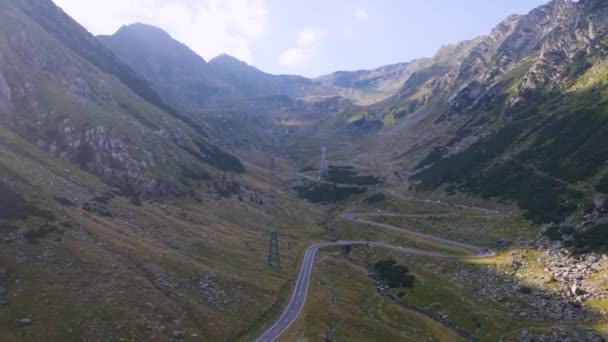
464,196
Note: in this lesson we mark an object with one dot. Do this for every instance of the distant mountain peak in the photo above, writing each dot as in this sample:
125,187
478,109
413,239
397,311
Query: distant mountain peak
226,59
142,28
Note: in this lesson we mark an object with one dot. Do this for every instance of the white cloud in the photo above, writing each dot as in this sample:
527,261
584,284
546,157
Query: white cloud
209,27
295,57
361,14
307,48
310,36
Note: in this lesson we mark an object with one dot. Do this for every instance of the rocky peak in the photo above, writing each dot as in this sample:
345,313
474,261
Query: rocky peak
227,60
143,31
551,35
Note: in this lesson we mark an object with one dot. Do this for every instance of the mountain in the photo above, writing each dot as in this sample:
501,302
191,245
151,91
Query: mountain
119,218
67,94
253,82
180,74
185,79
517,115
370,86
124,217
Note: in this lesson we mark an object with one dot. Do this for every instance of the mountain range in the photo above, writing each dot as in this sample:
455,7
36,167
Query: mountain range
140,183
195,83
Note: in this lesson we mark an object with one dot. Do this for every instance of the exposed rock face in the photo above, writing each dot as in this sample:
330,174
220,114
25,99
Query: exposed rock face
572,34
550,36
5,95
540,47
573,272
504,109
57,90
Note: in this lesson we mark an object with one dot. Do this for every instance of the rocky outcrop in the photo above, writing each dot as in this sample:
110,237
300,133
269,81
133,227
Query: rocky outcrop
61,90
572,272
6,104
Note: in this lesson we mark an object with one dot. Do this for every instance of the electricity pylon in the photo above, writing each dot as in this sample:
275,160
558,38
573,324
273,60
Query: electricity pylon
323,166
273,251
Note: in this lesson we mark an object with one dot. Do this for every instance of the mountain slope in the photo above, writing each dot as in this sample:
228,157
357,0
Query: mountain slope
369,86
251,81
187,80
516,115
172,67
118,219
58,95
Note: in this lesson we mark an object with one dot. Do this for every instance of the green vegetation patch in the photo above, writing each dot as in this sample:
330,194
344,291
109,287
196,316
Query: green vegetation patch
555,233
594,238
33,235
327,193
218,158
346,175
602,185
573,147
458,166
14,206
543,199
393,274
375,199
364,121
432,157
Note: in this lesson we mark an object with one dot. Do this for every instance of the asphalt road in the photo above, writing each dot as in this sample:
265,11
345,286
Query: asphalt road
298,297
486,211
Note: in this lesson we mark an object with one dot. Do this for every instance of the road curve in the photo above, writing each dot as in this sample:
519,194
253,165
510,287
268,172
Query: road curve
486,211
300,292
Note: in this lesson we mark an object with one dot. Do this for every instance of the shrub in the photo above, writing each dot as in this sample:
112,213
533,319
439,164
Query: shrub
12,204
33,235
327,193
64,201
602,185
393,274
346,175
136,201
594,238
375,198
543,199
432,157
555,233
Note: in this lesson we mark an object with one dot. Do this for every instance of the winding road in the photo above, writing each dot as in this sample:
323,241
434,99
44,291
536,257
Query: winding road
300,292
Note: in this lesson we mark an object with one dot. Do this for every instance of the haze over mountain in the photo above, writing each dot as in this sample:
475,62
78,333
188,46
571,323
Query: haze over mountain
168,63
461,196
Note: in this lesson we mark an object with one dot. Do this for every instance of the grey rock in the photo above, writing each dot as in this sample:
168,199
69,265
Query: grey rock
178,333
151,306
25,321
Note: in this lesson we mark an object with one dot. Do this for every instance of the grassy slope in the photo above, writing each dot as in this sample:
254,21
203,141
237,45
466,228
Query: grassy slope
545,158
343,301
335,281
78,282
68,94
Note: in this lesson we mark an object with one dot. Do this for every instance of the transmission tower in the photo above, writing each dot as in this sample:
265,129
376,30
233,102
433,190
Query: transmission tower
322,166
273,251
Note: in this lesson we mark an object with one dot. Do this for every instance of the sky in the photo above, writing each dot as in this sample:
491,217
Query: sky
311,37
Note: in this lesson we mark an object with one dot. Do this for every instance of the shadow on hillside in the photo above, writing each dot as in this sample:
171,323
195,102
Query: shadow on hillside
482,298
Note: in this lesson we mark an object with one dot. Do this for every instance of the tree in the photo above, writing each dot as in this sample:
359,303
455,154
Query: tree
393,274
